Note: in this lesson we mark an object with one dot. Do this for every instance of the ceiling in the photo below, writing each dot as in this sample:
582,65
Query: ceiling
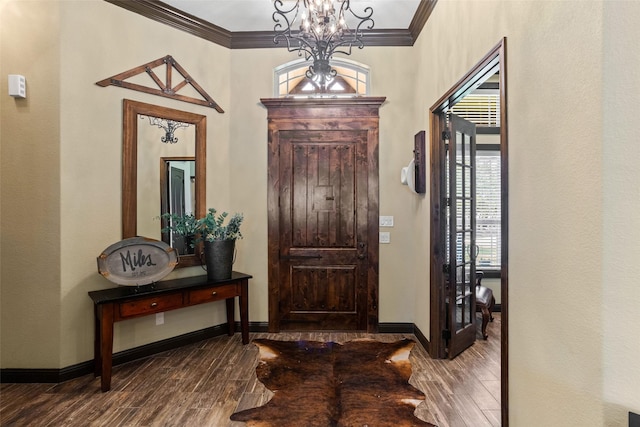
244,24
255,15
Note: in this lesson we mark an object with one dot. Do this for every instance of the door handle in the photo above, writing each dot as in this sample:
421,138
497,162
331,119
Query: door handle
473,251
285,257
362,250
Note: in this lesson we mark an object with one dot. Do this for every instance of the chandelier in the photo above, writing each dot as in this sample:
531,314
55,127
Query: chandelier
168,126
322,31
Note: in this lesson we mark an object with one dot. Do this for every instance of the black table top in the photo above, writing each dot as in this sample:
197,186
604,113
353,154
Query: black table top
125,292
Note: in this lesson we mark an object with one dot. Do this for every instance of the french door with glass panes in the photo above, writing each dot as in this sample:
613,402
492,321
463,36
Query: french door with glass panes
461,249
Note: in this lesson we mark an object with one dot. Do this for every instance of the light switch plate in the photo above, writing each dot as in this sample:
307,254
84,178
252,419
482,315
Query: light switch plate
386,221
385,237
17,86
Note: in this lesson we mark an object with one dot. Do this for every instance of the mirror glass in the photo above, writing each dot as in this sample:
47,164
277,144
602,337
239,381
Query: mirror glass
177,197
163,172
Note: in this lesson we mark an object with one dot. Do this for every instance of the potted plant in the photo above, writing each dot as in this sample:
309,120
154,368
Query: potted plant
183,229
219,238
219,242
212,228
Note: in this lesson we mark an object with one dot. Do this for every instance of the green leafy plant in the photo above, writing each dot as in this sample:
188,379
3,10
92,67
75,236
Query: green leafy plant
212,226
184,225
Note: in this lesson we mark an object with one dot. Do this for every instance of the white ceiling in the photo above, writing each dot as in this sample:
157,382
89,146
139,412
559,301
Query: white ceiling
256,15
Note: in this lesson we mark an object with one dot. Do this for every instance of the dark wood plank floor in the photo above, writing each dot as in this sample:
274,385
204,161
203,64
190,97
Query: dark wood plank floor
204,383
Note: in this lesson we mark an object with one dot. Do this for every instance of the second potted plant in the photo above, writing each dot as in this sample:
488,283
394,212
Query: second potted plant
180,231
219,242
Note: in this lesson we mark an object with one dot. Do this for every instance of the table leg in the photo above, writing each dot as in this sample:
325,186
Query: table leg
106,345
97,359
244,310
231,315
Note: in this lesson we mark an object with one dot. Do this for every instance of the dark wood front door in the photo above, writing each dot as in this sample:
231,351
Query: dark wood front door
323,233
323,214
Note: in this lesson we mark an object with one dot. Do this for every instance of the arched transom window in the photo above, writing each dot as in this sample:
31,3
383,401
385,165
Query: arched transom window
291,80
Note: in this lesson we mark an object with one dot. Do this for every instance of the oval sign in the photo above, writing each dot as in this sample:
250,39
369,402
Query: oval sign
137,261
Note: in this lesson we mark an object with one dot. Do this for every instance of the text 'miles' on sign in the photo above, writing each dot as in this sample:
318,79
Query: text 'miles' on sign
137,261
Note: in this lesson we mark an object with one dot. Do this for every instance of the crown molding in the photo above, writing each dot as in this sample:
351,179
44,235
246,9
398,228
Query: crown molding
420,18
166,14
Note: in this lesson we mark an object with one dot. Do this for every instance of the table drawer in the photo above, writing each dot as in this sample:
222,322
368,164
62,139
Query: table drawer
150,305
214,293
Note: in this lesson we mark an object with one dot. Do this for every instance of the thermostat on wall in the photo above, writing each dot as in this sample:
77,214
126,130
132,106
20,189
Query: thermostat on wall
17,86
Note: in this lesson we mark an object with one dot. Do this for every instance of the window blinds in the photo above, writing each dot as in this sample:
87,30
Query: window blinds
488,208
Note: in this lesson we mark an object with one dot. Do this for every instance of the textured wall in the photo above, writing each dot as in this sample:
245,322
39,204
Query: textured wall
571,240
30,176
621,204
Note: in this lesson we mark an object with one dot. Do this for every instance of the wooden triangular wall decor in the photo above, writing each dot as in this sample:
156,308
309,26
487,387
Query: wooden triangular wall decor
164,89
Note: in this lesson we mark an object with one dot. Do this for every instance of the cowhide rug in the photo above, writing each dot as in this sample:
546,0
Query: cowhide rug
358,383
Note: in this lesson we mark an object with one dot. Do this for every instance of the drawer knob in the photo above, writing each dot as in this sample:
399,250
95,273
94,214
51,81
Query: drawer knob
154,304
214,293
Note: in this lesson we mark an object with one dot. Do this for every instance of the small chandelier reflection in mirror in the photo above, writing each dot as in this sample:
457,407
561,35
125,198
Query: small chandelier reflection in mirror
322,31
169,127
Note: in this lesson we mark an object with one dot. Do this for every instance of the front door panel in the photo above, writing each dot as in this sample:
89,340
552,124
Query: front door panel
323,195
323,225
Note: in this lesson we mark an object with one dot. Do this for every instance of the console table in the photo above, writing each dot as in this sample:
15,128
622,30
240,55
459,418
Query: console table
127,302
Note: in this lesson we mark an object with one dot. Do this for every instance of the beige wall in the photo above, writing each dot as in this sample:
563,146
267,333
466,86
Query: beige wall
572,331
573,297
621,204
31,195
55,223
91,147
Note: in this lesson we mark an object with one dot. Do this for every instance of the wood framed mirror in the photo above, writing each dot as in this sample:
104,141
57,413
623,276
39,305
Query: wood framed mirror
145,186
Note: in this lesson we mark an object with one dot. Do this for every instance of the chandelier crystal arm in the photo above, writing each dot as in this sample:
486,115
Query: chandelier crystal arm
285,32
281,13
356,39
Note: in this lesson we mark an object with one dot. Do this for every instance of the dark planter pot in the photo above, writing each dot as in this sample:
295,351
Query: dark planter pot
189,242
184,244
219,257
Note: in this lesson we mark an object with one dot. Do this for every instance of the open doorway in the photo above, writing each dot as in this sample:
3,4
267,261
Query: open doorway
493,64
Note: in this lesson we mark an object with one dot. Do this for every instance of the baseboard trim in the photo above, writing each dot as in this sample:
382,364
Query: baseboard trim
422,339
257,327
44,375
396,328
84,368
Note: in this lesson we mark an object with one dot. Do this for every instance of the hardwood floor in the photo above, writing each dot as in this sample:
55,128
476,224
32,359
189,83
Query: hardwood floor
204,383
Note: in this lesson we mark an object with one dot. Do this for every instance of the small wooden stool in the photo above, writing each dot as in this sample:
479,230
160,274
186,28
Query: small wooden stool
484,303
